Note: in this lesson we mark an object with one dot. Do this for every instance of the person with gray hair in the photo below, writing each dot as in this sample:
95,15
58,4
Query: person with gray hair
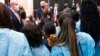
39,12
13,11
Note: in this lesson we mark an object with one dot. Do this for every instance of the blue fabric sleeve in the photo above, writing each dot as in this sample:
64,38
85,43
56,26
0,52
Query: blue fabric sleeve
56,51
87,44
26,51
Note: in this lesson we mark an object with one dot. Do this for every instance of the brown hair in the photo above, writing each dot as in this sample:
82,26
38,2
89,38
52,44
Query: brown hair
5,19
68,35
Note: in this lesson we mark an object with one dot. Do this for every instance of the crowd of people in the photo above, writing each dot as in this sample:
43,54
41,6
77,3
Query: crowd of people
73,31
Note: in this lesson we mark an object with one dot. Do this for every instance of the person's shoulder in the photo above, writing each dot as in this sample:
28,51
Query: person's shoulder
17,37
37,51
86,42
15,33
60,50
39,9
45,49
85,38
55,51
41,47
83,35
56,48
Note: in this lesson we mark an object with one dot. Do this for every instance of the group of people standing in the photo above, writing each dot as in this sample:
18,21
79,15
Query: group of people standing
71,32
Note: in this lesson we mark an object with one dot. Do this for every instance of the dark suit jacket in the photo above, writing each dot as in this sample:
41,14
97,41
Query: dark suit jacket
39,13
17,25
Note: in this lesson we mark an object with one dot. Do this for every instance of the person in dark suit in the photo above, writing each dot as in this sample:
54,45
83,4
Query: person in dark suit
17,21
39,12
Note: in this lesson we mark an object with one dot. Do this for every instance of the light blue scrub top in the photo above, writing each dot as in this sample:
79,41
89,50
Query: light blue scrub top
97,50
40,51
13,43
97,47
86,46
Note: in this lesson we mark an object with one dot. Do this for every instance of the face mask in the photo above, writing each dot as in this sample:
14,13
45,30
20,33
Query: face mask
17,7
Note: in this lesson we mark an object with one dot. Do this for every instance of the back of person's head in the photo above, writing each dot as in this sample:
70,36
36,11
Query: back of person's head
90,19
23,15
62,17
49,28
75,16
22,12
88,7
33,34
68,35
5,19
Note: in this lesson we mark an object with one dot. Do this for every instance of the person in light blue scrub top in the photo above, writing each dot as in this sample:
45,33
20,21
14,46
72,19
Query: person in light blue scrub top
12,43
34,36
90,23
82,42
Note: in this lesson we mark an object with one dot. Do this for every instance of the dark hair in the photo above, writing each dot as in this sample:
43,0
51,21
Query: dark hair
23,14
62,17
90,19
33,34
49,28
68,35
34,14
5,19
75,16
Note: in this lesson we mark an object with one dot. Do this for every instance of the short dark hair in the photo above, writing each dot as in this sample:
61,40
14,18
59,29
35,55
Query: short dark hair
23,14
62,17
49,28
75,16
5,19
33,34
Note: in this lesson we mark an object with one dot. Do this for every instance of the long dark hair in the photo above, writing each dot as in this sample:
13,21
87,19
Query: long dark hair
90,19
68,35
5,19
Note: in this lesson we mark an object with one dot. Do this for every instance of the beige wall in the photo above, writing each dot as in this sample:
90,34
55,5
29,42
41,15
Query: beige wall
2,1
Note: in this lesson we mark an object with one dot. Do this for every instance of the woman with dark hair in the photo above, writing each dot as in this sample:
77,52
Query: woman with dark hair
34,36
70,43
12,43
90,21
